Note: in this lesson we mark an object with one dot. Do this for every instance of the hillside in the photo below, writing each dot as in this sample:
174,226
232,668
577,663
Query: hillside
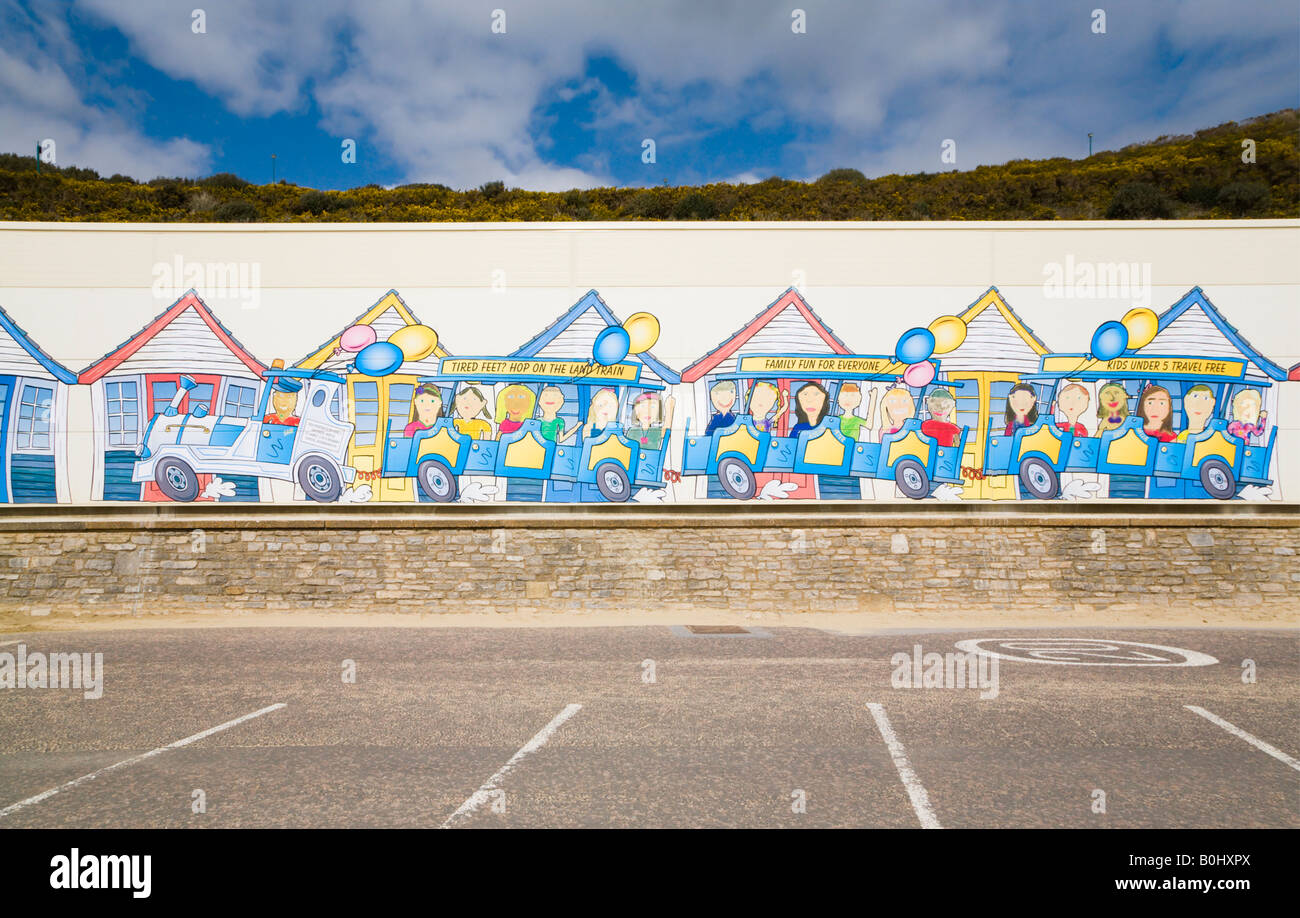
1183,177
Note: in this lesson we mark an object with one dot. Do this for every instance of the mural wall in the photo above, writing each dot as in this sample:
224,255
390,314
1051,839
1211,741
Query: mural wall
1174,405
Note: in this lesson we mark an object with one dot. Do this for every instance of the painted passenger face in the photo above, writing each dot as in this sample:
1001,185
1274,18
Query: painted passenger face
646,411
283,403
1199,407
723,399
850,399
1021,402
516,402
426,408
468,406
1113,398
940,408
761,401
604,407
812,400
1073,402
550,401
1156,407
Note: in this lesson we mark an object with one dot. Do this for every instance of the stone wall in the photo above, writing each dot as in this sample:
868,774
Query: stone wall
646,561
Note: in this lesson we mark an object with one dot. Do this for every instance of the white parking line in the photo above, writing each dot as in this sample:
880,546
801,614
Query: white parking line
45,795
915,791
1242,734
484,793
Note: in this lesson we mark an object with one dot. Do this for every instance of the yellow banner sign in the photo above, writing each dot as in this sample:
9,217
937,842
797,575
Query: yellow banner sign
529,369
1155,366
819,366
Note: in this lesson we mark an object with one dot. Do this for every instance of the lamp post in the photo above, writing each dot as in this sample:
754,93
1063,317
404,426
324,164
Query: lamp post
273,166
1090,143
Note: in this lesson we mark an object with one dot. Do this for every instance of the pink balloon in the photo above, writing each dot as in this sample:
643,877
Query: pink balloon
918,374
357,338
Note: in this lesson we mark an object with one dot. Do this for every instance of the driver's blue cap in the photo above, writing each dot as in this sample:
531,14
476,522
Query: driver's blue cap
285,384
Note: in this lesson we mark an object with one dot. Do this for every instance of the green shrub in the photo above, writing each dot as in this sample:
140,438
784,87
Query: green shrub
236,212
1139,201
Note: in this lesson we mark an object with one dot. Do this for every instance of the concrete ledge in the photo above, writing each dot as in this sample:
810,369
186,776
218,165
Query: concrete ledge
793,515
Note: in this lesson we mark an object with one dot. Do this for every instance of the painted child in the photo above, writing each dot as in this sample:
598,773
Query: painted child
723,397
1072,402
549,402
1021,409
849,398
941,405
425,408
1112,407
896,406
1198,405
653,416
766,405
471,414
514,405
811,404
601,413
1247,419
1157,413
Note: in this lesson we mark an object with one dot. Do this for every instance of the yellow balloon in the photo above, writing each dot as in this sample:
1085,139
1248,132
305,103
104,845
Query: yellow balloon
416,341
643,330
949,332
1141,324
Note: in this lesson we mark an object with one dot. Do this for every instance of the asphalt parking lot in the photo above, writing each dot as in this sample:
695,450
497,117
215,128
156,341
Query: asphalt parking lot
654,727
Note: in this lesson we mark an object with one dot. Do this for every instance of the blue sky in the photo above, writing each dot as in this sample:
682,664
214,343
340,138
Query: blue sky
567,95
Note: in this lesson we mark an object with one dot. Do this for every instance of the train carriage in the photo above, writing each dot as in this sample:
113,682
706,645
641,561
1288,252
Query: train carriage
438,456
736,454
1212,462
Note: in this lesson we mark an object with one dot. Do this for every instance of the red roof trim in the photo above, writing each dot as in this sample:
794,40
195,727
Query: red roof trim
114,359
710,360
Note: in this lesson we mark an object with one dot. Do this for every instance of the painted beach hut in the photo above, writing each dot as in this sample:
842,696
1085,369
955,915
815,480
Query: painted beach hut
786,326
138,378
998,347
1194,327
570,337
371,401
33,415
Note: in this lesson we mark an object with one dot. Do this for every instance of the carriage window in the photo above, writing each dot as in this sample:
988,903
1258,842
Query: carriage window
34,417
201,395
123,413
162,394
336,405
240,401
366,397
967,393
399,404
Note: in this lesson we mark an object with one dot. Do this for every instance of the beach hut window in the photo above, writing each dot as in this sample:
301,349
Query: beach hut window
240,401
367,413
34,417
123,413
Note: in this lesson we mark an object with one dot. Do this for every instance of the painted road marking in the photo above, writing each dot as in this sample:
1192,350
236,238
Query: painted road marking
915,791
1077,651
1242,734
45,795
484,793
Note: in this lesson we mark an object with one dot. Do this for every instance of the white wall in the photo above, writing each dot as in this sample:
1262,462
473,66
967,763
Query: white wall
81,289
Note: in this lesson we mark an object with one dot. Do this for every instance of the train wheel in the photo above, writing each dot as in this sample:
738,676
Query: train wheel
319,479
737,478
912,479
176,479
436,481
1040,479
613,483
1217,479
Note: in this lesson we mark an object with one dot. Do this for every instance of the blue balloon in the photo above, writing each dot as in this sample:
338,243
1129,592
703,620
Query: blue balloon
379,359
914,346
1109,341
611,345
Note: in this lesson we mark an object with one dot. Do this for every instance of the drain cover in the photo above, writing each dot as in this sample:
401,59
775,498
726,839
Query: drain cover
716,629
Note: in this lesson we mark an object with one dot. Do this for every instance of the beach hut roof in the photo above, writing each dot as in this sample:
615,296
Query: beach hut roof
185,336
1194,327
996,338
788,325
20,355
573,333
387,315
